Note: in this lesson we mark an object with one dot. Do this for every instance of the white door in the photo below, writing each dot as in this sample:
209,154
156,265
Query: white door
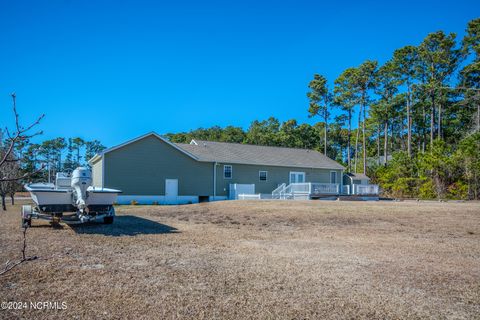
171,190
297,177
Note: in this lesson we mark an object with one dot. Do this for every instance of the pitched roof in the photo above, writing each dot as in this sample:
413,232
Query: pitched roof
359,176
99,155
210,151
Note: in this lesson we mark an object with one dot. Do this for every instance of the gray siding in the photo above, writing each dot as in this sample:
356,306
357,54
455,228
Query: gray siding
97,168
140,168
248,174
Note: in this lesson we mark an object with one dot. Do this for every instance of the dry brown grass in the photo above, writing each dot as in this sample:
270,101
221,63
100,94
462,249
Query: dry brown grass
274,259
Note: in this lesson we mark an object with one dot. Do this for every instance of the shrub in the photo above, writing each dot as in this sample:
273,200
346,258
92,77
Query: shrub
427,190
405,187
458,190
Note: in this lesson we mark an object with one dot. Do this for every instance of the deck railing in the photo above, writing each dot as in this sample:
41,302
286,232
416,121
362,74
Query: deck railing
365,189
298,188
324,188
304,190
307,189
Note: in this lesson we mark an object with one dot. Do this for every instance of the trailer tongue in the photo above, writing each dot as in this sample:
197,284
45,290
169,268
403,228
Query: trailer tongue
72,199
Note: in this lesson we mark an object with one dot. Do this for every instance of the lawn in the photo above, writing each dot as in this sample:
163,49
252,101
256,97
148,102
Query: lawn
253,259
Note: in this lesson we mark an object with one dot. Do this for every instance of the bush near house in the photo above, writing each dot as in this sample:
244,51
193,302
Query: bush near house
442,172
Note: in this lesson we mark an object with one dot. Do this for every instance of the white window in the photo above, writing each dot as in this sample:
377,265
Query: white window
333,177
262,175
227,172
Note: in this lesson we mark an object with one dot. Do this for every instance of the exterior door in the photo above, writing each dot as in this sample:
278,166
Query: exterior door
171,190
297,177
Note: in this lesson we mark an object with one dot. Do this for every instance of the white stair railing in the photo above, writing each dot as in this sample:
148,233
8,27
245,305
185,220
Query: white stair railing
276,193
346,189
297,191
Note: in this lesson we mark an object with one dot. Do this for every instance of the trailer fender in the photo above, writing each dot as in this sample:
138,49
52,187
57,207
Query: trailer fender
26,212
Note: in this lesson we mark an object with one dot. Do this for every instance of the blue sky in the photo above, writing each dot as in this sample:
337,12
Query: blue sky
113,70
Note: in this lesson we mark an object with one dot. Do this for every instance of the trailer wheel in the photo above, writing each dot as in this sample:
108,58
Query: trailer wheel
26,223
108,220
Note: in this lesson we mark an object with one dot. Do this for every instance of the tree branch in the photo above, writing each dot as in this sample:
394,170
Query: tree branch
26,175
19,133
9,266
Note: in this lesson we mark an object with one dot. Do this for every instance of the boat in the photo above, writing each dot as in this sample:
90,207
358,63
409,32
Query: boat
71,199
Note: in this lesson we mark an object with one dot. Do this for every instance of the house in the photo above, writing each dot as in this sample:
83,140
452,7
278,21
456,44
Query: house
151,168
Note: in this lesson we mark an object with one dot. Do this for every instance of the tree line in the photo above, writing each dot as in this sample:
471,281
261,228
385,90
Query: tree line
21,160
411,123
56,155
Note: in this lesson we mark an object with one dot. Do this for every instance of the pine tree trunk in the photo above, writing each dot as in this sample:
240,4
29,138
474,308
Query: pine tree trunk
392,129
349,141
432,121
439,130
378,144
357,137
12,197
385,147
364,141
424,129
409,126
325,133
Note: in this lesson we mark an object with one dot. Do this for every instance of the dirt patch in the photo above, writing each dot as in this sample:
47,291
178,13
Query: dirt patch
251,259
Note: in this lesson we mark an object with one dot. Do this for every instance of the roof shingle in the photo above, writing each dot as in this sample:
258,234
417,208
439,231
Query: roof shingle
224,152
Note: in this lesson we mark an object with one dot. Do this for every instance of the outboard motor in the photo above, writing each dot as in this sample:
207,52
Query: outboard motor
81,180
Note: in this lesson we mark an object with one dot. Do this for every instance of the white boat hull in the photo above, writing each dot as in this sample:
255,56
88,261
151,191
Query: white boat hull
101,196
49,199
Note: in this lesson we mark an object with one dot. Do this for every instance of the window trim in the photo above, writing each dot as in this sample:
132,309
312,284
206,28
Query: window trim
260,175
336,177
231,171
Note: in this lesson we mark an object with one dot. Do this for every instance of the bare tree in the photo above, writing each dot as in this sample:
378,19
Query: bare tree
10,172
19,134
